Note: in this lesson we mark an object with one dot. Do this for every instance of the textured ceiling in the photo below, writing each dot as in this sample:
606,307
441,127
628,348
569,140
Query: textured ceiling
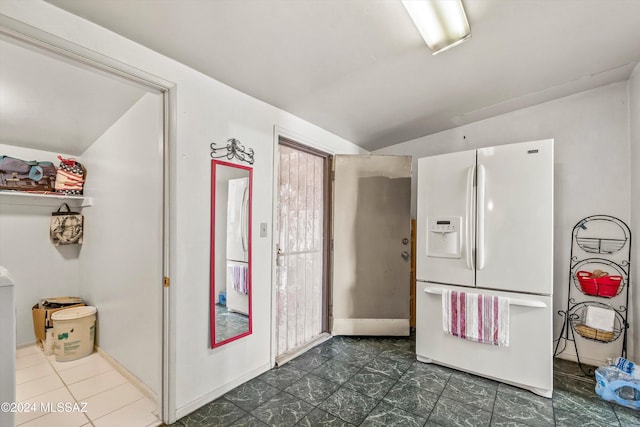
359,68
53,104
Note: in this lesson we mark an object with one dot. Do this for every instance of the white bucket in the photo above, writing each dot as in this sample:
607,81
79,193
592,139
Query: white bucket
74,330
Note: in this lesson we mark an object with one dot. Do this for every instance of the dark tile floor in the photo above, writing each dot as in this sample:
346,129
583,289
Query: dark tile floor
229,324
356,381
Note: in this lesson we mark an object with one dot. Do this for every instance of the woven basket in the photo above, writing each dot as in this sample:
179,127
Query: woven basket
595,334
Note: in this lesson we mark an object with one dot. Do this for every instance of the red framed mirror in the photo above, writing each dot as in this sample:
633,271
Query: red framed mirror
230,276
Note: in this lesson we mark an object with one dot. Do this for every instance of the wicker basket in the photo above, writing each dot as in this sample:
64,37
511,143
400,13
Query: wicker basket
594,334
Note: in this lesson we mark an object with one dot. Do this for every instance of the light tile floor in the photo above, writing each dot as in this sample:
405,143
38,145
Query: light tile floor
83,392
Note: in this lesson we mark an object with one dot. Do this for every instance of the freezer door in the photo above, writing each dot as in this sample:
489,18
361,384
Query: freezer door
445,218
514,249
528,360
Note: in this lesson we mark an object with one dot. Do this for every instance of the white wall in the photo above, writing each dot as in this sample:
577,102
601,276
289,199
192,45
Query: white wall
205,111
211,112
39,268
592,171
634,118
121,262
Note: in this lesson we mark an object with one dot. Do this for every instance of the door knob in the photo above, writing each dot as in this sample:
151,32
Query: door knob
279,260
405,241
405,255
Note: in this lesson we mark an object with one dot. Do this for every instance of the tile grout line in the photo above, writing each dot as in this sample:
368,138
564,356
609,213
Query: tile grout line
439,396
390,388
91,422
317,406
63,383
117,409
93,395
66,386
307,373
325,379
493,407
33,380
362,368
341,386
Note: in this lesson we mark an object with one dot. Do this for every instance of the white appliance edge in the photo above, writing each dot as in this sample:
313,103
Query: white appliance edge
237,240
237,220
492,210
8,347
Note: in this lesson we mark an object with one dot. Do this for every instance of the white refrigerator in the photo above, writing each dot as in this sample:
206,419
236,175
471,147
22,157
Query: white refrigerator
485,226
238,246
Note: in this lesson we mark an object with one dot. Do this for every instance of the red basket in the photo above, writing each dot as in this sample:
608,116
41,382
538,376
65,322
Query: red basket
606,286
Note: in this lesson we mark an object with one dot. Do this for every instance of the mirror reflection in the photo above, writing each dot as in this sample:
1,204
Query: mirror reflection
230,252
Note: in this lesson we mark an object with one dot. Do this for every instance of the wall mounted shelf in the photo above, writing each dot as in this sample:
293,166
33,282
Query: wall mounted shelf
37,199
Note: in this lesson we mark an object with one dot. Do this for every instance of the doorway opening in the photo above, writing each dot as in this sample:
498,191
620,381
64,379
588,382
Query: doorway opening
146,123
370,246
302,261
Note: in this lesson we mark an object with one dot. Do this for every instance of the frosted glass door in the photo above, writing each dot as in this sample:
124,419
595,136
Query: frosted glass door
300,248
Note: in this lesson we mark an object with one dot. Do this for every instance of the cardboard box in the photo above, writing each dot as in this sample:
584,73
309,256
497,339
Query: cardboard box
48,345
42,312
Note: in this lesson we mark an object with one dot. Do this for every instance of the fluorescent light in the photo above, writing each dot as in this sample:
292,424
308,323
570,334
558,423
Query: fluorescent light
442,23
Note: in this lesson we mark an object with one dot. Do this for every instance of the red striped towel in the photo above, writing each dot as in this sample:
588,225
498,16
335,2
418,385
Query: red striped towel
476,317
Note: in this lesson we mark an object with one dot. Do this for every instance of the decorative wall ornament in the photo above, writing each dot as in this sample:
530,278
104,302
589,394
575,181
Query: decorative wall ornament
233,149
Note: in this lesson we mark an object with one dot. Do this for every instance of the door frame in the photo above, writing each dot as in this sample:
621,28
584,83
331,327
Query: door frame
302,143
28,34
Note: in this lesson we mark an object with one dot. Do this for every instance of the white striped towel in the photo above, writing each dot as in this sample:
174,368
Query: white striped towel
476,317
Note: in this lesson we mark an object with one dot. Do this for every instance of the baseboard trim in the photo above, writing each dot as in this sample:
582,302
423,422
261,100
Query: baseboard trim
213,395
584,360
23,345
371,327
135,381
284,358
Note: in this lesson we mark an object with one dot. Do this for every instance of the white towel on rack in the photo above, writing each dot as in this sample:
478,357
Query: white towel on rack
476,317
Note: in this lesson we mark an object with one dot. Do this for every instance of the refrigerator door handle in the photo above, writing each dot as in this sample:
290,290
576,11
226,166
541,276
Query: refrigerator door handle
469,220
244,222
481,198
512,301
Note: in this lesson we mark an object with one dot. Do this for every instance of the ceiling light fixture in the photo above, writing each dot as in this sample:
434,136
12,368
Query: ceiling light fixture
442,23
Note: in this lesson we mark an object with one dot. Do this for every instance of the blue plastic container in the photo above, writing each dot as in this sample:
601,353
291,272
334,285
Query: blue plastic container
617,386
222,298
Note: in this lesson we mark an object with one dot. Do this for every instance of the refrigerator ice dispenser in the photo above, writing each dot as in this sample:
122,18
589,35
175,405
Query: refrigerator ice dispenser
444,237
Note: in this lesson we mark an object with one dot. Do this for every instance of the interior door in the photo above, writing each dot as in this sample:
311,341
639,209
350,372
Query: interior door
371,245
